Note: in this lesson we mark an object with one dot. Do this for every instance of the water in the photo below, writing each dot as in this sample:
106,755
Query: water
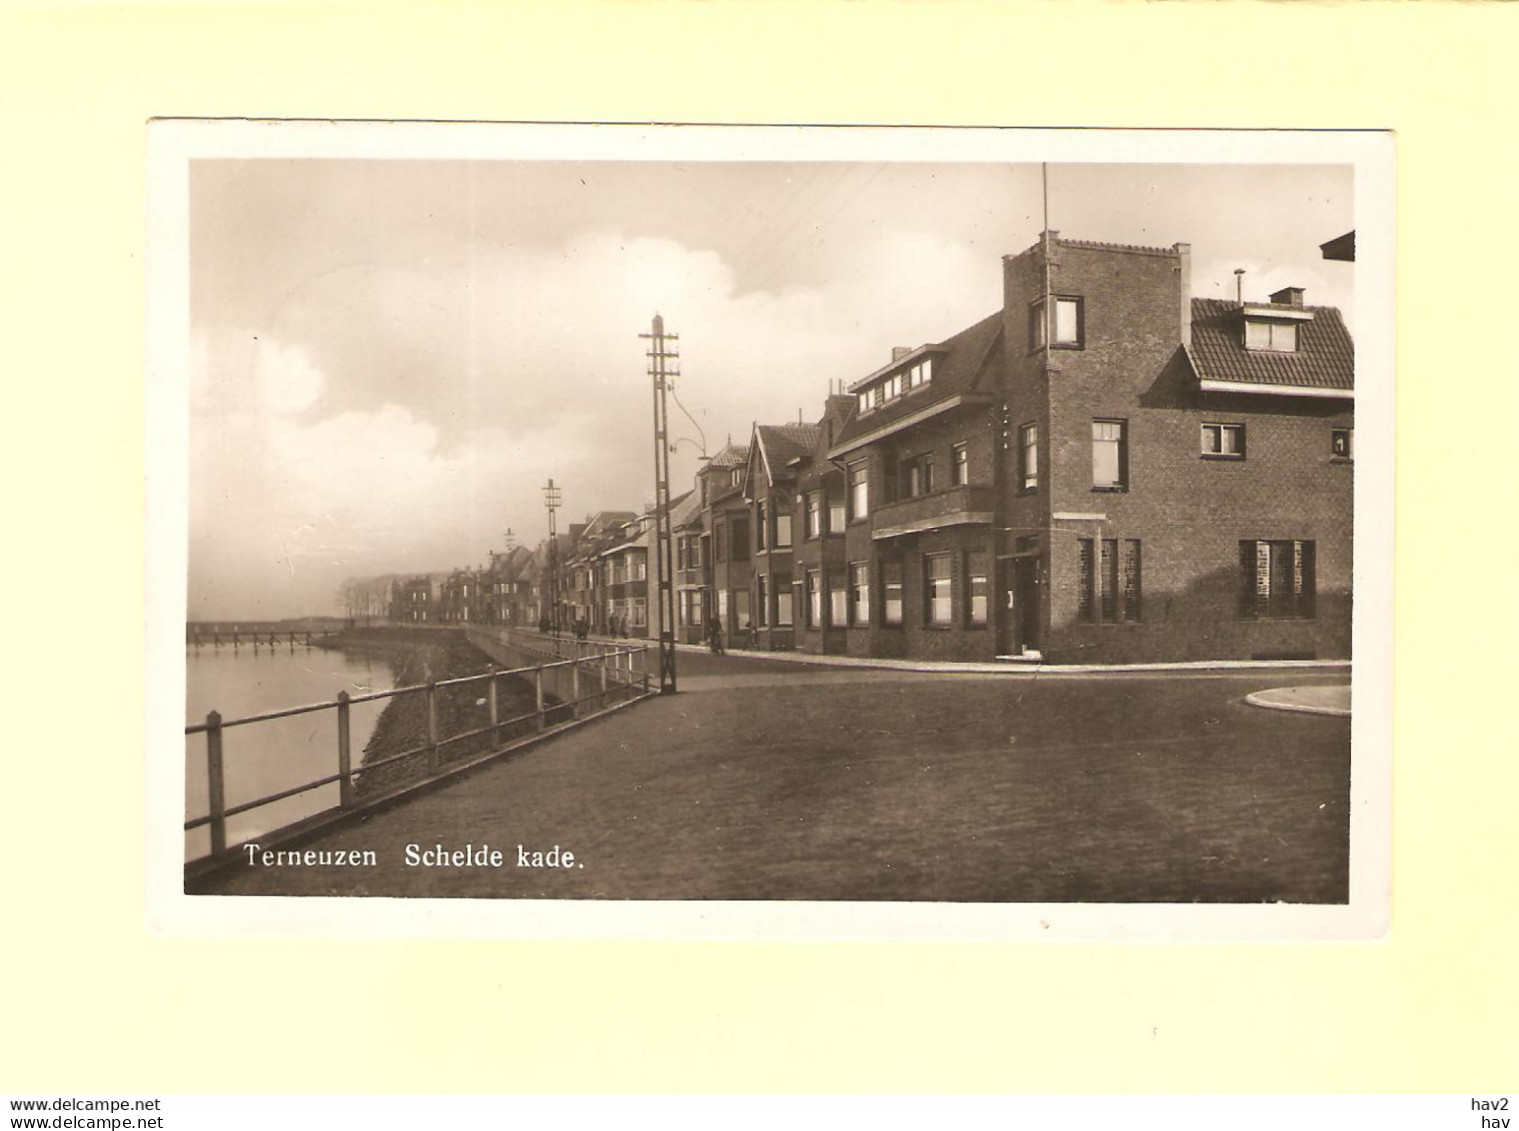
266,757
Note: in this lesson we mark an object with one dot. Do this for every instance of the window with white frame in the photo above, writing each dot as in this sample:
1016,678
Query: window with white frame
959,465
978,588
859,593
1028,456
920,476
813,521
891,593
1277,337
838,602
782,606
1223,441
938,589
859,490
1069,321
1110,455
836,514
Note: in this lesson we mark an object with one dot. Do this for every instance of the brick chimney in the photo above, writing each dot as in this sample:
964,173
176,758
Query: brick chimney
1288,296
899,352
1184,280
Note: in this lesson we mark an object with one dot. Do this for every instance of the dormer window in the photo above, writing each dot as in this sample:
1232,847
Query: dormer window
1277,337
899,384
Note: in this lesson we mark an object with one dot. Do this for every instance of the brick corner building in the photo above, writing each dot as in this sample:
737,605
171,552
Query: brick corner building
1107,470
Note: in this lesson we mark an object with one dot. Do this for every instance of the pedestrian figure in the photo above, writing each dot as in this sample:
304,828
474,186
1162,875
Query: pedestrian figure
715,636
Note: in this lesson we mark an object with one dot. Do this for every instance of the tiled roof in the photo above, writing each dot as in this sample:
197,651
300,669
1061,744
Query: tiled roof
783,443
606,521
732,455
955,372
1324,359
684,509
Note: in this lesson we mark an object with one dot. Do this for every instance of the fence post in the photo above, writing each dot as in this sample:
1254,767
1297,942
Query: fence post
575,689
643,655
345,754
495,725
432,726
603,666
216,786
538,694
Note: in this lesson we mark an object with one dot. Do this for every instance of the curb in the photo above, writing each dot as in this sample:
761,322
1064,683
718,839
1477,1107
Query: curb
1259,699
1018,667
1006,667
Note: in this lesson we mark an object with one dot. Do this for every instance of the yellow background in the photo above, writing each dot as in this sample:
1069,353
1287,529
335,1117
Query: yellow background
92,1003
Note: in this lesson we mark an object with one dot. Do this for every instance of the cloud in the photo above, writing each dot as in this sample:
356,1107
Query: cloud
286,379
390,359
400,417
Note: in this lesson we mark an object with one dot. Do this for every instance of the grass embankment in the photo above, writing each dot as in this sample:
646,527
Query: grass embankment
422,657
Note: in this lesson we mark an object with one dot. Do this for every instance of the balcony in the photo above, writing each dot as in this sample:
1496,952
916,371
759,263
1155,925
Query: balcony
958,506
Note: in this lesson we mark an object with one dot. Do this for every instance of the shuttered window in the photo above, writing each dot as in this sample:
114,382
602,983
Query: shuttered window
1277,580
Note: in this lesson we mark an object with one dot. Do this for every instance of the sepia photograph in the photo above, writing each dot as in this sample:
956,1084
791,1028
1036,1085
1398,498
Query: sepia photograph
896,520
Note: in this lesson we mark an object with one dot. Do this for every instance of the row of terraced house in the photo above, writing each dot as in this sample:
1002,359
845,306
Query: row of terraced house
1104,469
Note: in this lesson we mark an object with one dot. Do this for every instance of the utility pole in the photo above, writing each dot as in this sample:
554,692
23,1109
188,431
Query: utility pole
551,501
660,356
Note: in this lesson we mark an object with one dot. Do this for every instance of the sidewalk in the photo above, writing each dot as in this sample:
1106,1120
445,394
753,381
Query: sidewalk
998,667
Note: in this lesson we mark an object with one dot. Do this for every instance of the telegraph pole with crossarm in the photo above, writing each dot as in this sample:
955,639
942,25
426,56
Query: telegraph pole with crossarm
660,357
551,497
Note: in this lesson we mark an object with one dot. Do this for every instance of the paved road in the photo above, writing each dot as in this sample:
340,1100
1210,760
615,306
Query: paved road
777,781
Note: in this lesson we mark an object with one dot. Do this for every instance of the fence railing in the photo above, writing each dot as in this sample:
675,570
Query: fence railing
593,679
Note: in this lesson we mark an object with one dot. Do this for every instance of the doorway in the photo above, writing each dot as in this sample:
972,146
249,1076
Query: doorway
1026,603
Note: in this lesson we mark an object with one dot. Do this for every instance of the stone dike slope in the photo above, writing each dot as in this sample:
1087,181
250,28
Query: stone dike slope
418,657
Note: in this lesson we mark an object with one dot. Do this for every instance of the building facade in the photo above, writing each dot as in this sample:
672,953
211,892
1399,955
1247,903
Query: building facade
776,453
1179,470
729,556
1103,470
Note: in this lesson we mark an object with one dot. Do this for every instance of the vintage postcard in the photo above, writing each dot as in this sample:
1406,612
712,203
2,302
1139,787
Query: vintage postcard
684,531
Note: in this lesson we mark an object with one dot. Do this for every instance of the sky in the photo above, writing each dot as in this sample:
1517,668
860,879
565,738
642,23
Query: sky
390,358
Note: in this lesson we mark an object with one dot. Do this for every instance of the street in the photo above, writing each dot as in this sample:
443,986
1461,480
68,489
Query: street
762,780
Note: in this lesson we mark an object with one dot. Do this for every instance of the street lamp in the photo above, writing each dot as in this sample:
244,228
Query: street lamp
551,498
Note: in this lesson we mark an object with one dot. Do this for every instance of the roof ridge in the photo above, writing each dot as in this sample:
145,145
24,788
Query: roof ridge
1231,304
